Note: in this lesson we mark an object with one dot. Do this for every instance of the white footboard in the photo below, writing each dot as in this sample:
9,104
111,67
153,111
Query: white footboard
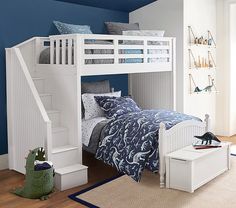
177,137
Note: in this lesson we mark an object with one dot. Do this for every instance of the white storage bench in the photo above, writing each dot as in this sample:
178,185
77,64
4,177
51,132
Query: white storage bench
187,169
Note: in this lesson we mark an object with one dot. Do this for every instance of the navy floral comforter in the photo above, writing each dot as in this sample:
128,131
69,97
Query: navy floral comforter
130,141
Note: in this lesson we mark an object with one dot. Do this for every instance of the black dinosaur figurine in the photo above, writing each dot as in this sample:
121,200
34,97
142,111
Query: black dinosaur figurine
208,137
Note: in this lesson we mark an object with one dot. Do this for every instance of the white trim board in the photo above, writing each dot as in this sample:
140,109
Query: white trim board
3,162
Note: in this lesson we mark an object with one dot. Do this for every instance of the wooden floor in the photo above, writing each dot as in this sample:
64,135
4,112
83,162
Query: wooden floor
98,171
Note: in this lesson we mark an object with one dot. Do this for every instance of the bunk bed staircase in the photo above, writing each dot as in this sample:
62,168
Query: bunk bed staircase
28,98
64,156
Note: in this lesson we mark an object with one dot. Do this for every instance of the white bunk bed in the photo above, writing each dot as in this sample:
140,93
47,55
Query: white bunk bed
62,77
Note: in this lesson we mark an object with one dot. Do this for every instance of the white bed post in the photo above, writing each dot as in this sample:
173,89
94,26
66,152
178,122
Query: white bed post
207,121
79,51
162,166
174,72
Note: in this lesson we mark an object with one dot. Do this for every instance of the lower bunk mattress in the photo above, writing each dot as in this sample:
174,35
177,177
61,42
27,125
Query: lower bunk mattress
130,142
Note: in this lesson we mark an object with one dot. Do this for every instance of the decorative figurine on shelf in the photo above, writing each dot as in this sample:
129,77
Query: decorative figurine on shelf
199,62
206,64
209,41
208,137
196,40
206,89
203,62
200,40
205,42
197,89
39,181
209,87
210,64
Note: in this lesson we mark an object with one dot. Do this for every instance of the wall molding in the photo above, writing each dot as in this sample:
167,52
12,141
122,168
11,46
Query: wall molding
3,162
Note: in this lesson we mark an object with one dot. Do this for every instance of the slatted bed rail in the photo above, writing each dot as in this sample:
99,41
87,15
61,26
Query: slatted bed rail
105,51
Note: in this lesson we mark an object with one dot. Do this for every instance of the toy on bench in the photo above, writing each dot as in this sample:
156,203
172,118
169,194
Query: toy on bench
208,137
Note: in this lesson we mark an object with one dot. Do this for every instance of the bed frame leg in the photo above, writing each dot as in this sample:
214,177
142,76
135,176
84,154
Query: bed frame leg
162,181
162,167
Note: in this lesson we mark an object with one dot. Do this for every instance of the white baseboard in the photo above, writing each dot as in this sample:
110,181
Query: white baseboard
3,162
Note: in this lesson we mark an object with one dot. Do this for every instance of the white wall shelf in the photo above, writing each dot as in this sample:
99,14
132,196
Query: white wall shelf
201,40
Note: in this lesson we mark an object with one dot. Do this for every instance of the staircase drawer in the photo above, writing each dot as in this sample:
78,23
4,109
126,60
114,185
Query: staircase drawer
71,176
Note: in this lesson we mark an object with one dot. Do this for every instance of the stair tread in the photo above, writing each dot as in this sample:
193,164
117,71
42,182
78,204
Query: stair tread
70,169
58,129
38,78
45,94
63,148
53,111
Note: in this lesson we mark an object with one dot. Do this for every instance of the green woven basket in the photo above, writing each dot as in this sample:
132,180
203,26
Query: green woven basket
38,184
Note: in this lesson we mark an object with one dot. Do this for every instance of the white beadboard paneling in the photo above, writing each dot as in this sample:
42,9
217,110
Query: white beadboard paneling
152,90
232,68
3,162
166,15
174,17
28,124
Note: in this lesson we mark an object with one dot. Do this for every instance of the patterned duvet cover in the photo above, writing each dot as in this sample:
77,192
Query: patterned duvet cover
130,141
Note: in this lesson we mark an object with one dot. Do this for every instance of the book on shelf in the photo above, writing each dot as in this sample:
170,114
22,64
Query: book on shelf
199,146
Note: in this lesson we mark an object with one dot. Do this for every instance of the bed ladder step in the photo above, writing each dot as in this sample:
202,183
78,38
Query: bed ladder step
71,176
46,99
60,137
39,84
64,148
65,156
55,117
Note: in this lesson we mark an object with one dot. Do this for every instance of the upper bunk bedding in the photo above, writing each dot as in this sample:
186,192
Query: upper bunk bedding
125,46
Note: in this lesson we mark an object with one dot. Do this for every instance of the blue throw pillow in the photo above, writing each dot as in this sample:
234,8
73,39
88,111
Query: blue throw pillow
65,28
116,106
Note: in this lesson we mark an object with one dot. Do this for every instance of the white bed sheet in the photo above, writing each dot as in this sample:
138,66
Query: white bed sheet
87,128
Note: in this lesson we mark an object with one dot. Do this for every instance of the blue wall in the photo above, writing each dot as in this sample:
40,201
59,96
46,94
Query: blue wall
121,5
21,20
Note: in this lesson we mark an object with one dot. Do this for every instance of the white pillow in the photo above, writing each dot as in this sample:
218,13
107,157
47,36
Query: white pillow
92,109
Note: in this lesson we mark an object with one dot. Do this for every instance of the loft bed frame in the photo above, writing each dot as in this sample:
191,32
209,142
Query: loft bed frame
62,48
63,77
